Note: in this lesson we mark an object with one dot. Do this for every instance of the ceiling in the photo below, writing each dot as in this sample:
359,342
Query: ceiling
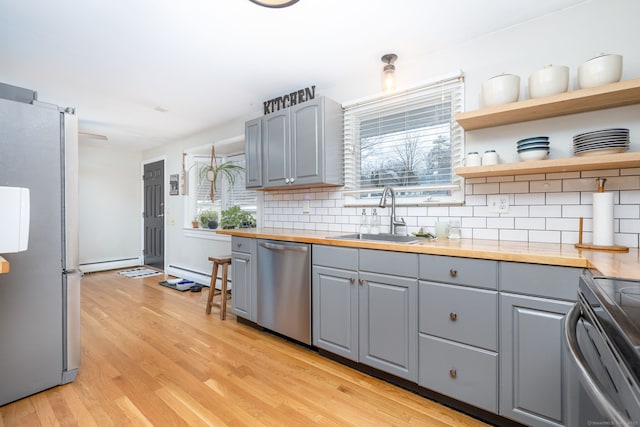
149,72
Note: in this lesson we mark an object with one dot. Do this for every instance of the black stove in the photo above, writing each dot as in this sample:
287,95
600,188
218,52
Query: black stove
616,306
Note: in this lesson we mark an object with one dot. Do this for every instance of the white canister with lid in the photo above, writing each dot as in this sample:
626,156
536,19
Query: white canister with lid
490,157
473,159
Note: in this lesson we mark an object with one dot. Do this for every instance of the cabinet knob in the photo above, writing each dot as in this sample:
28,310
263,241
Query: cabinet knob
291,180
286,180
453,272
453,316
453,373
238,244
352,280
360,282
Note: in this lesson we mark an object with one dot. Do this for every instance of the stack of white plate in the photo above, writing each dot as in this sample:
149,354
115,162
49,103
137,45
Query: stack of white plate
534,148
606,141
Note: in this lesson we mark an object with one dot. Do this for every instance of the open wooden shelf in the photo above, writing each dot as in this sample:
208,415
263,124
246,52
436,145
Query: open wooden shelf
578,101
570,164
4,265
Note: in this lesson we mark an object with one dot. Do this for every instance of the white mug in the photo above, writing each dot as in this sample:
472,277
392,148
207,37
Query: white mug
490,157
473,159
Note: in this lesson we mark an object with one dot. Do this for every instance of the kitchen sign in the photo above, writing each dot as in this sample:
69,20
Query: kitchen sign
293,98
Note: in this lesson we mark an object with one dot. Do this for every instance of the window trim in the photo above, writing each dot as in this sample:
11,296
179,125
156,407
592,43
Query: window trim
457,184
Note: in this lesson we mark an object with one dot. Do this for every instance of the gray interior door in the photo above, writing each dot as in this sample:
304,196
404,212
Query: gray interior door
154,214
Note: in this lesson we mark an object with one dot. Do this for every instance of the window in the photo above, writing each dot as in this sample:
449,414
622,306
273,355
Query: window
409,141
225,195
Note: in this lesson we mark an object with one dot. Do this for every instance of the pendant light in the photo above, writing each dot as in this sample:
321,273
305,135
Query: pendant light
274,3
389,72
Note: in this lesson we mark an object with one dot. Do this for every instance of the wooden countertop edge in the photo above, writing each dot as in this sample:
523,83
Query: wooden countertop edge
4,265
610,264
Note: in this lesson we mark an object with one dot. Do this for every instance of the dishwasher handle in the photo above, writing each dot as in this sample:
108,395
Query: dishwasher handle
587,376
275,247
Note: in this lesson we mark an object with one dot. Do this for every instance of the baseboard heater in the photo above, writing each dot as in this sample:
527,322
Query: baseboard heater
196,276
92,267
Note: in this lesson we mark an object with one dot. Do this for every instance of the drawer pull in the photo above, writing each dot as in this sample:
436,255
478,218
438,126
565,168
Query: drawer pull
453,272
453,316
352,280
453,373
238,244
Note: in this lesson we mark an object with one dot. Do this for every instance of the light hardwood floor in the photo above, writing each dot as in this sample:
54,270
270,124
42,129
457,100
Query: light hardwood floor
150,356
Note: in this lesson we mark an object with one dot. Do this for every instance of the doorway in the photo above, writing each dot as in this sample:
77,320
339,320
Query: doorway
154,214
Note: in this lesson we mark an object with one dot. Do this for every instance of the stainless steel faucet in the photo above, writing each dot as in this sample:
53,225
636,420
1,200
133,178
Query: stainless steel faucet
383,204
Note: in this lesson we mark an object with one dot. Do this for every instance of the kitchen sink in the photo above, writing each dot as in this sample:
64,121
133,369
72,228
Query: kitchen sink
382,237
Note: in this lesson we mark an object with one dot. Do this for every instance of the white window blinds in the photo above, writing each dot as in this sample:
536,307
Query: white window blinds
409,141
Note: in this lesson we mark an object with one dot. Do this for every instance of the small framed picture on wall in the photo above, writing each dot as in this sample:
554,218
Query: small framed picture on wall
174,184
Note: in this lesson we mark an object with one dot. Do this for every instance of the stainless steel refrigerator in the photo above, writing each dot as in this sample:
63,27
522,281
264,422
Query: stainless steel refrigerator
40,296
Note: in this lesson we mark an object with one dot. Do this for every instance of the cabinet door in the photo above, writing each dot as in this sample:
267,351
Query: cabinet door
307,142
389,324
241,279
335,311
253,153
276,152
535,378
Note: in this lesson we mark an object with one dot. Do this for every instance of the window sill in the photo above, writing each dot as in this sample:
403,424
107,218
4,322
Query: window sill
205,233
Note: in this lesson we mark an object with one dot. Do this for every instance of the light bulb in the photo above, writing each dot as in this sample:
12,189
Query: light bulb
389,78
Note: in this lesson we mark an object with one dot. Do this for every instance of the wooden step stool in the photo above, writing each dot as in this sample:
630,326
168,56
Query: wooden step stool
225,261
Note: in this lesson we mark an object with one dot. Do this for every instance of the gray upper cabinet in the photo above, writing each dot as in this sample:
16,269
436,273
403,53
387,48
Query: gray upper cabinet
300,146
244,277
253,153
537,386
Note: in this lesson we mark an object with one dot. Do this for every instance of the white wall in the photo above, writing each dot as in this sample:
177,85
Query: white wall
545,206
109,207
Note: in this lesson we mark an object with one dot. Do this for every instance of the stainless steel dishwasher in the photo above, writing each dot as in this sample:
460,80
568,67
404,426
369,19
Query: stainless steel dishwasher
284,288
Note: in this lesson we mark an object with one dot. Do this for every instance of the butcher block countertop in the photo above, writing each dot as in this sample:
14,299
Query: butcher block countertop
4,265
616,264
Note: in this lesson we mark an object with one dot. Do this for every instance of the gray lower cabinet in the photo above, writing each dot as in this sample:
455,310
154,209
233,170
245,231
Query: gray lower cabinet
537,386
244,277
366,316
458,325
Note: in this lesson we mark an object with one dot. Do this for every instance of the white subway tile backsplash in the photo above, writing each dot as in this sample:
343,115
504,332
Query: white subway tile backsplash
490,188
544,236
517,235
543,208
514,187
545,211
529,199
546,186
563,198
630,197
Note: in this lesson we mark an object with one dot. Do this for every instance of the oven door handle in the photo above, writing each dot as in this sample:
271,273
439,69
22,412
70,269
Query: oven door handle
588,379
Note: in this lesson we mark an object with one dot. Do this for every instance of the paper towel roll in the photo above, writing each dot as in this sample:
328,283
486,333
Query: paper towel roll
603,219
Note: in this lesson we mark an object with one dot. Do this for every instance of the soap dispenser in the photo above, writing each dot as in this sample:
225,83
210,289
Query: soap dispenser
364,222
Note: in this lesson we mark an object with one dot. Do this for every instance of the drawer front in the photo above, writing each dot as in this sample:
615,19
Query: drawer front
460,271
460,314
335,256
242,244
548,281
459,371
387,262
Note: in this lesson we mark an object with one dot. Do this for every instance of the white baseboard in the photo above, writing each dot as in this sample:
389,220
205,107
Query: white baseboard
92,267
196,276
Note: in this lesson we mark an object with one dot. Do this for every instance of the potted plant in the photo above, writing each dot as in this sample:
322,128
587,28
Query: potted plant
229,170
208,219
234,217
196,222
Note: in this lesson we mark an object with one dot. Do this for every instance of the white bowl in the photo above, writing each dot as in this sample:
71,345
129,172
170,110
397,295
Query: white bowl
529,155
501,89
550,80
601,70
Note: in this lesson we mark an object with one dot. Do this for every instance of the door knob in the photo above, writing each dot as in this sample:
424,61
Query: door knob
360,282
352,280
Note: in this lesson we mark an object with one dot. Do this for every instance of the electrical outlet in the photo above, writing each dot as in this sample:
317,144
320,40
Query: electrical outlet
498,203
306,206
